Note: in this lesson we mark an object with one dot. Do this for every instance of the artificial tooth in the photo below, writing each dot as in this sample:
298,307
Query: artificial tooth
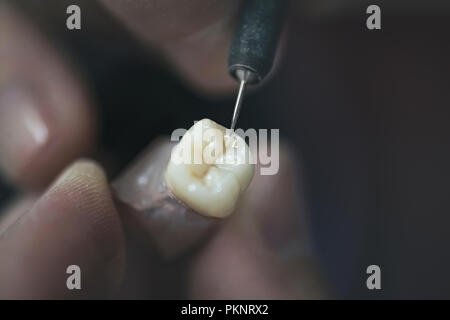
209,169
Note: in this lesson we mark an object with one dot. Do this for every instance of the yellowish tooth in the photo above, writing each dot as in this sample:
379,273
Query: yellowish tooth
209,170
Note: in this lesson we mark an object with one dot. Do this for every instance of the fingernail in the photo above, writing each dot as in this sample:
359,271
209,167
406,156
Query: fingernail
23,131
148,209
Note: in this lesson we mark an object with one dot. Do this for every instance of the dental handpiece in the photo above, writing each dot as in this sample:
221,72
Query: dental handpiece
254,45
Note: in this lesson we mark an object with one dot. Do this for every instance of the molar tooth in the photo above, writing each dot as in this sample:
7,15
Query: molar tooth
213,186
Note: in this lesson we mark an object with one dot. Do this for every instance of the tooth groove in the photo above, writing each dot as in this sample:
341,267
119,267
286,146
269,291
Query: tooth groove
213,185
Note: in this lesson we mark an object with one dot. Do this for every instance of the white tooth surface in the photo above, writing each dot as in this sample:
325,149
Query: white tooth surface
215,171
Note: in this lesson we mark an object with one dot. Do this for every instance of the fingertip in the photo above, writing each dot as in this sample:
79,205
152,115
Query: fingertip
73,223
34,147
84,188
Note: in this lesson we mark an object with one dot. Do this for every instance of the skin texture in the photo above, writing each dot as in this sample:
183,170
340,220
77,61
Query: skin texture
46,115
75,220
40,77
369,110
151,211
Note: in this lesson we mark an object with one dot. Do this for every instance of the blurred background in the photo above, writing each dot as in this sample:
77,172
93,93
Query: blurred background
368,113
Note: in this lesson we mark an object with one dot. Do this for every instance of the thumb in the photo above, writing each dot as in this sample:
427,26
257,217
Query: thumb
73,223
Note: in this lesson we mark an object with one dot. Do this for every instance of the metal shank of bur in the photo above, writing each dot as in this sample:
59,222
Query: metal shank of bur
256,38
243,76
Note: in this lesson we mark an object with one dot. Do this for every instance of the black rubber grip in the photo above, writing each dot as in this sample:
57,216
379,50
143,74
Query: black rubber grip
256,38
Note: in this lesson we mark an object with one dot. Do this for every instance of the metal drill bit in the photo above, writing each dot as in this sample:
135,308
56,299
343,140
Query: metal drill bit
237,107
244,77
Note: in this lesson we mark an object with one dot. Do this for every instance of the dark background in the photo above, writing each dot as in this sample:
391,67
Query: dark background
367,111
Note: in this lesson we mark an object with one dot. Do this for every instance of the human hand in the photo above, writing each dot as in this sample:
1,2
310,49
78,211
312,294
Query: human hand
47,119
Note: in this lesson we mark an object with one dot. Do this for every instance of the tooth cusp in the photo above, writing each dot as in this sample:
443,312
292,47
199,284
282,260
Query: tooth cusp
213,186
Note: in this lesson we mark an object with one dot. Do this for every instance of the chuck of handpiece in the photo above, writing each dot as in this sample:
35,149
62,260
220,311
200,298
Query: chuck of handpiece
254,45
255,41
